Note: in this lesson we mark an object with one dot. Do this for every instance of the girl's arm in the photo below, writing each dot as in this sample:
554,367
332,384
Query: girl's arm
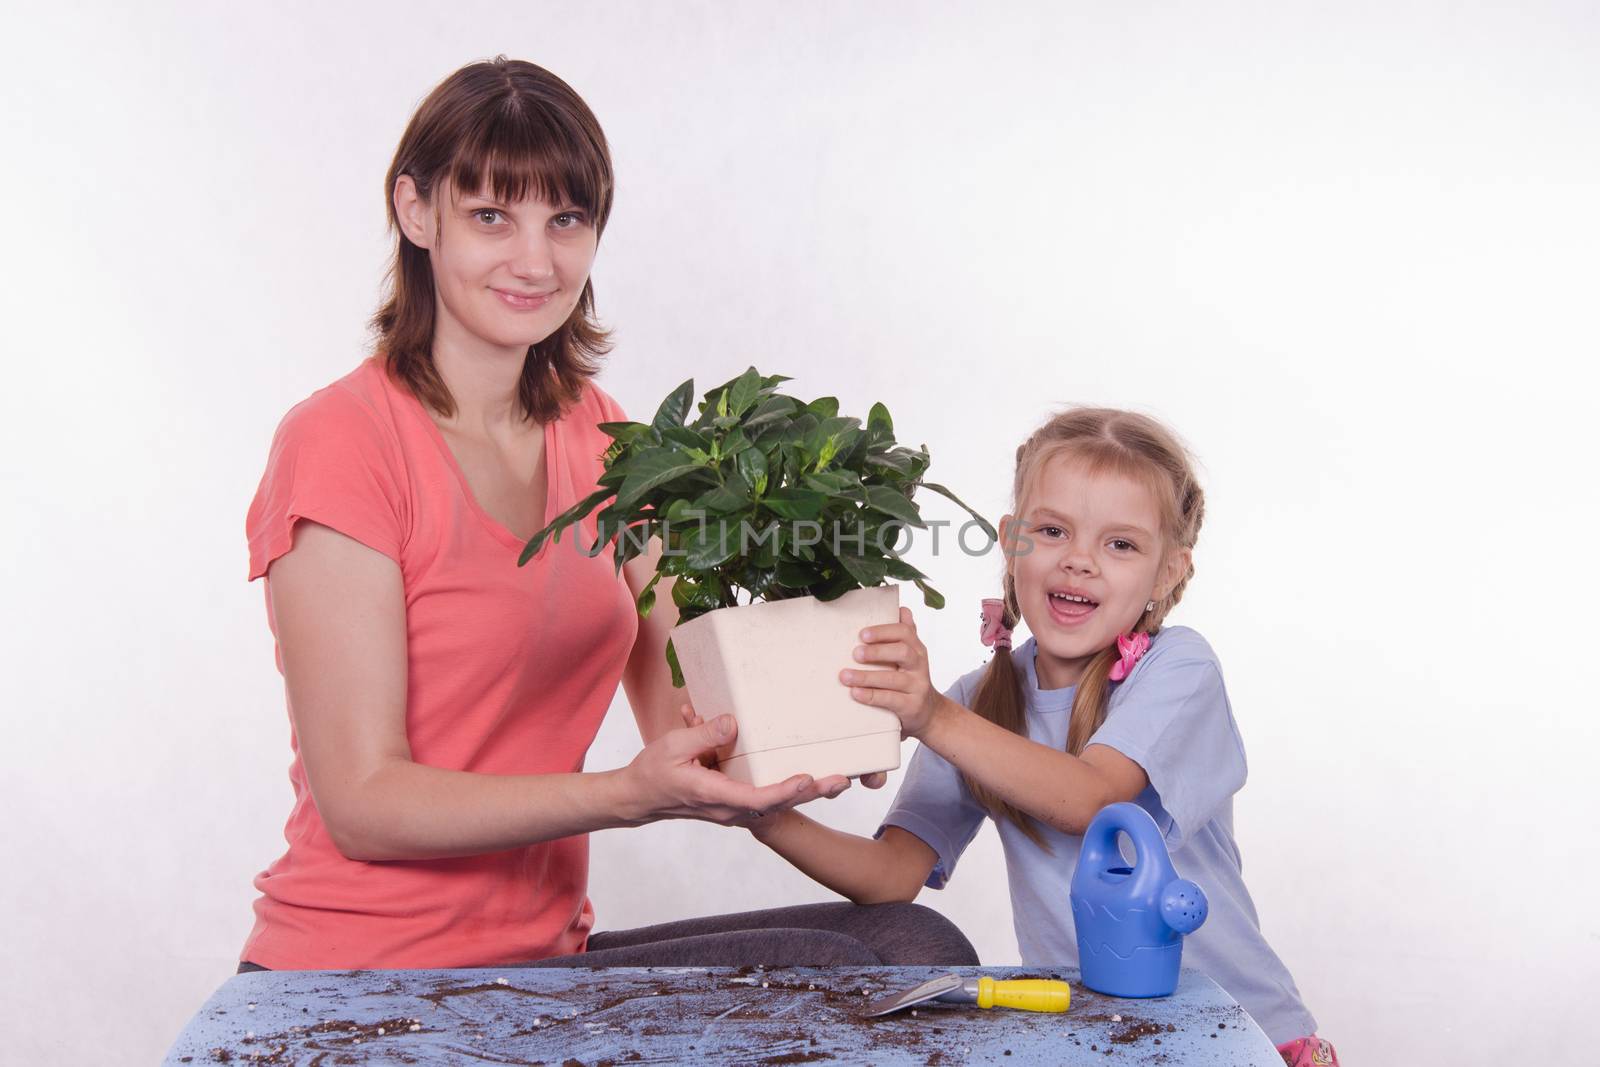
1059,789
888,869
339,613
1056,787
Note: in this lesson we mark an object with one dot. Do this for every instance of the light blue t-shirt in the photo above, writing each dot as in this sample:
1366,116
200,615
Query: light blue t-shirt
1171,716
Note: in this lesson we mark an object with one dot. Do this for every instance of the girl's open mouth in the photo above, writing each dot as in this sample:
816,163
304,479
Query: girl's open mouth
1068,610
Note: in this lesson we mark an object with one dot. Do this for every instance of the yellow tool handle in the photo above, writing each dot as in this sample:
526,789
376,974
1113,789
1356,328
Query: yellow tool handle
1028,994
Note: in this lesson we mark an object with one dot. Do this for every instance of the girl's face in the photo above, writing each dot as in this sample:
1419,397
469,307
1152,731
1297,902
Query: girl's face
505,274
1097,556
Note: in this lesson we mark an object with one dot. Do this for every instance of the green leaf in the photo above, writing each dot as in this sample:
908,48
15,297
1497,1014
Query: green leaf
732,495
561,522
744,392
678,512
766,553
834,483
689,439
711,545
653,468
770,411
899,568
893,502
624,433
675,408
887,536
895,460
983,523
824,441
794,575
760,581
672,662
734,443
752,466
647,596
824,407
879,424
930,596
795,503
632,541
865,570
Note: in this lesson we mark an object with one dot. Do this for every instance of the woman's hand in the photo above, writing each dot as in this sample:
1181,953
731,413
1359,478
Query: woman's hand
673,778
829,787
905,689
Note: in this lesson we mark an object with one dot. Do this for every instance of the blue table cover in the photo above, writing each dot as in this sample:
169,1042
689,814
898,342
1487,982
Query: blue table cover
747,1015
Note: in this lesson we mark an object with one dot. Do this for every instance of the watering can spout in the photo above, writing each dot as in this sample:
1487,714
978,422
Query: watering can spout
1183,906
1130,921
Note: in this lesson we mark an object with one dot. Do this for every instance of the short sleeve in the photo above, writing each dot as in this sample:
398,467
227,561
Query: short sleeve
1174,720
333,462
935,804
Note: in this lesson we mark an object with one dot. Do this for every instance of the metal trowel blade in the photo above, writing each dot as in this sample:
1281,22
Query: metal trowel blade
906,998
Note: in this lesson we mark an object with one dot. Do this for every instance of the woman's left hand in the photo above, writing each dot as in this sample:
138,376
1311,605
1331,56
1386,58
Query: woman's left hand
905,688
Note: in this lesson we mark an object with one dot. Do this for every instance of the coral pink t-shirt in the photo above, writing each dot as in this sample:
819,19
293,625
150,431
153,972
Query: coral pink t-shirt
509,671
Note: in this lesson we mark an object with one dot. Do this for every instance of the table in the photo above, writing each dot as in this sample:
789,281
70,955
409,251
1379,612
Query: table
746,1015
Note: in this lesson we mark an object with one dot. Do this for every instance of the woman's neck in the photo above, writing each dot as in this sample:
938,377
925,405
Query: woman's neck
483,379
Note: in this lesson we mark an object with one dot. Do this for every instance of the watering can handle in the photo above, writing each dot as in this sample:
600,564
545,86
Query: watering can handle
1100,839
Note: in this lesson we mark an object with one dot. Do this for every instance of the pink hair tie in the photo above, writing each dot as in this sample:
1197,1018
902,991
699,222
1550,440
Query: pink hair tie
994,630
1129,648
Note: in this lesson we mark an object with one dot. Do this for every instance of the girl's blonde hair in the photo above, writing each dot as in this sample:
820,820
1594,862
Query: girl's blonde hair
1104,440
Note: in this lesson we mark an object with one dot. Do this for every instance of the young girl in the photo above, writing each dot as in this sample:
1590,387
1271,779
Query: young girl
1101,704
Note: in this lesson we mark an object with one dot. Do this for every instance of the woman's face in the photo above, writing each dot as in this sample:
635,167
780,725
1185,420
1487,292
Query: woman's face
507,274
1096,537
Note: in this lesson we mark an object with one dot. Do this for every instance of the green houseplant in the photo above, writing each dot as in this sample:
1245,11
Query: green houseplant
764,495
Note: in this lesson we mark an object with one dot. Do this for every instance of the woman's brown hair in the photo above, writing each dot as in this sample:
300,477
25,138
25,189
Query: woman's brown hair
1104,440
508,127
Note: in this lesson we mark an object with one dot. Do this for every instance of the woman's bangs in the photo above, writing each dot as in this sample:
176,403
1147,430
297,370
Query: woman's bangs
513,157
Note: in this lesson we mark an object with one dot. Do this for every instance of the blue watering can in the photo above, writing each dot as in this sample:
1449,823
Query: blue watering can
1131,920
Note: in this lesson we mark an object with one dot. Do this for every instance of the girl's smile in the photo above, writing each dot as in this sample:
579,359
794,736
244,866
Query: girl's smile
1070,608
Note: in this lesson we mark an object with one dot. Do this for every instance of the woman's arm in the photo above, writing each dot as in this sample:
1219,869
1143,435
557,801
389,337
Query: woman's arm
647,679
339,613
1060,789
863,869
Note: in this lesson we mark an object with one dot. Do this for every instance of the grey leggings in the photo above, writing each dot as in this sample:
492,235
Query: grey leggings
806,935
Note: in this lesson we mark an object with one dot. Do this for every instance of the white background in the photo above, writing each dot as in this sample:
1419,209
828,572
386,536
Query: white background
1348,251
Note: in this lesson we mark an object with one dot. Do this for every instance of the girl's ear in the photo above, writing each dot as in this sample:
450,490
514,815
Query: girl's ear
1173,568
412,212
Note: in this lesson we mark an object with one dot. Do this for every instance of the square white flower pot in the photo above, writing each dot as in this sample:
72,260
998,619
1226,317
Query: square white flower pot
774,666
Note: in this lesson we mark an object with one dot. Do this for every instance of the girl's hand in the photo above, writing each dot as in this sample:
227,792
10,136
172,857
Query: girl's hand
905,690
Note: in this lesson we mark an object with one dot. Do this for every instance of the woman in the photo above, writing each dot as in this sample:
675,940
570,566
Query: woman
442,698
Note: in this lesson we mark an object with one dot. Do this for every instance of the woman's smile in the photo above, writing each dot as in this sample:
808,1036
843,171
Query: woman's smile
524,301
